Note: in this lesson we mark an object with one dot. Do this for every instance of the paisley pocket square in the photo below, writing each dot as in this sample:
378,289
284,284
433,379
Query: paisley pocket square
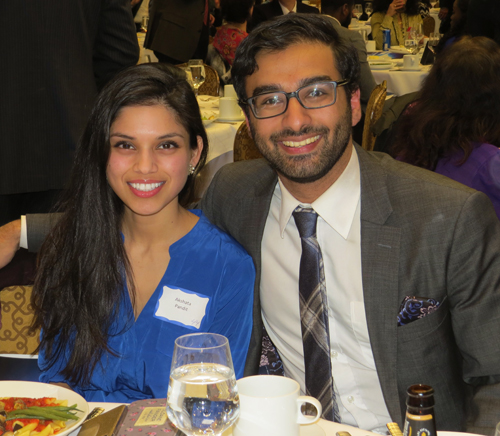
413,308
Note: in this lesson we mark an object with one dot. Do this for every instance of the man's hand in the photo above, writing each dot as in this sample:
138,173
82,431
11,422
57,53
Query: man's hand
10,234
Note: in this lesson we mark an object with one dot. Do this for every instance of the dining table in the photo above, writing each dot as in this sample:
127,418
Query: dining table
320,428
221,134
399,80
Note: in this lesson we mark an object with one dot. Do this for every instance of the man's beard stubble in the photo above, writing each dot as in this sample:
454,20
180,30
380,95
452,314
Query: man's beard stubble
296,168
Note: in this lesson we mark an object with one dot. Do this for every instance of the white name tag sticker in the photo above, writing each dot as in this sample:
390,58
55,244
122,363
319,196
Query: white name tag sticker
182,307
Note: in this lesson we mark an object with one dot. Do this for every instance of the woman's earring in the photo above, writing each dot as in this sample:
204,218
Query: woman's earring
191,169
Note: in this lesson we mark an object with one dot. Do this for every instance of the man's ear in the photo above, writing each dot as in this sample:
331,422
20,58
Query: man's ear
356,107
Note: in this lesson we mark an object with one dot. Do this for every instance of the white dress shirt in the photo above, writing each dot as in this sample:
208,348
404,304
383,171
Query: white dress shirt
339,235
286,11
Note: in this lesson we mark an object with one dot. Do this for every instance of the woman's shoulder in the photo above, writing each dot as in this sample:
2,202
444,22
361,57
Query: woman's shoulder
209,237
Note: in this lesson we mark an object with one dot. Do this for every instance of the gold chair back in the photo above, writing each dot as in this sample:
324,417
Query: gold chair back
244,146
211,85
373,113
16,317
428,25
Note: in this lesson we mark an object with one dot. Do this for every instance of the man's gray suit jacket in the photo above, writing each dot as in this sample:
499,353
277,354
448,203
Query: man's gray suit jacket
421,235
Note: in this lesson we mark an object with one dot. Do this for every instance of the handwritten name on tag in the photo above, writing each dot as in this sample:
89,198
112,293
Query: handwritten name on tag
182,307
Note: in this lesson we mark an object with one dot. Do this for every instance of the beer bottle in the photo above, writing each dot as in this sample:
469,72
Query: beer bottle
420,411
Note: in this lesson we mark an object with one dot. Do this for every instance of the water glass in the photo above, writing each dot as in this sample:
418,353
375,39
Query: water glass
197,73
202,394
368,8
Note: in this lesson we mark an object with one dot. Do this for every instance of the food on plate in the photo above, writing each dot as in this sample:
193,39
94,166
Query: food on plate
46,416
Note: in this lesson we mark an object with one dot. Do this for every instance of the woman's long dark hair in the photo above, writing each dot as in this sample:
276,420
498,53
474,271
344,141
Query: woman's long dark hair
411,7
459,105
83,266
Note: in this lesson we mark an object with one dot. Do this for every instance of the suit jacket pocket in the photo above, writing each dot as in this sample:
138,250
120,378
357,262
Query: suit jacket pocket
426,325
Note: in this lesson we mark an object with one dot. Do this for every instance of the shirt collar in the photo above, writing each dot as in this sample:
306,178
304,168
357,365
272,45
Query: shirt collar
336,206
286,10
333,18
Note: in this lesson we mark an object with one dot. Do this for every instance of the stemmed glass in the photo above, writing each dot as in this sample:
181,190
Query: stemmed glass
202,395
433,4
358,11
368,9
196,73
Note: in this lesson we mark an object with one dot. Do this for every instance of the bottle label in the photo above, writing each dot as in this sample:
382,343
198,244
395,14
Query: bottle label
419,425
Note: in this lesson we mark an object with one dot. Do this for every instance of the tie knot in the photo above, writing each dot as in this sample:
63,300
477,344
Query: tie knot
305,220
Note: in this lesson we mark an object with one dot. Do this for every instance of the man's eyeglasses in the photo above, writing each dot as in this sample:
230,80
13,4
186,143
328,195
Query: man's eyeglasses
314,96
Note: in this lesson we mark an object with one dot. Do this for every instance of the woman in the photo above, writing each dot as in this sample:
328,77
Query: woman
127,263
235,14
458,25
453,128
394,15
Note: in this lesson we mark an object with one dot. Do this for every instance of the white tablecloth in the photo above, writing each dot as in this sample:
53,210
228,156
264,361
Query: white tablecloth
401,82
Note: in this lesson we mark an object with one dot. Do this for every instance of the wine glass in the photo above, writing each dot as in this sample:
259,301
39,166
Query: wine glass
368,9
358,11
197,72
433,3
202,395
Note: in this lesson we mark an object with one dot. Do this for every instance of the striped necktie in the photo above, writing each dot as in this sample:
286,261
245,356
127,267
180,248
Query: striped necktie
314,316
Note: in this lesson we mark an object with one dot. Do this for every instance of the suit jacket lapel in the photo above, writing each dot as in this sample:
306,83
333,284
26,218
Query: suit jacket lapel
380,244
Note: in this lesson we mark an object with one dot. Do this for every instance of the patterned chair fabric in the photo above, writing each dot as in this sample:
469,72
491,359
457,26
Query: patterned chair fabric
244,147
428,25
373,113
211,85
16,317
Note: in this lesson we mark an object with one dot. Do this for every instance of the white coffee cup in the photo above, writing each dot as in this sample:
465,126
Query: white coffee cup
411,62
229,109
271,406
371,46
229,91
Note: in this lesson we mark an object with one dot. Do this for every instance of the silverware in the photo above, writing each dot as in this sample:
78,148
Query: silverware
96,412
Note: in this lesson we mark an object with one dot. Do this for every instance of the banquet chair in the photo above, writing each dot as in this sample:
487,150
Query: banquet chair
211,85
373,113
244,147
17,341
428,25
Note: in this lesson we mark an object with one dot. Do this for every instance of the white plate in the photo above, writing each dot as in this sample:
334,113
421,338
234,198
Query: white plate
381,66
311,430
410,69
230,120
208,122
40,390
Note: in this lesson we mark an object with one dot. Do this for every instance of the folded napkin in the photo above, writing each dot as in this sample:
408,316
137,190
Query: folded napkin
413,308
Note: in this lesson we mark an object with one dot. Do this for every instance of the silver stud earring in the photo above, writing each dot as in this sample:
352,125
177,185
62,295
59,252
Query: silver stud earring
191,169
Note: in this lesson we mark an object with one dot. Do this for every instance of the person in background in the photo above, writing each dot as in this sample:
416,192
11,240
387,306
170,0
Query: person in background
340,11
445,12
53,67
235,15
111,310
453,126
394,15
277,8
178,30
458,25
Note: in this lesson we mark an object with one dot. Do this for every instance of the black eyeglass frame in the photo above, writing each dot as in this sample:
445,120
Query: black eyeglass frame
289,95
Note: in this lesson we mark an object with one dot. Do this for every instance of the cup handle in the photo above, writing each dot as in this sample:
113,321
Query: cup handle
302,419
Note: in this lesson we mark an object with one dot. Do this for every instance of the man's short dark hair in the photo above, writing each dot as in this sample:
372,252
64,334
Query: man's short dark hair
329,7
285,31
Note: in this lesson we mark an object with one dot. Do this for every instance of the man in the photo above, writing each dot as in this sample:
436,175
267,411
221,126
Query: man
277,8
386,231
56,55
340,11
178,30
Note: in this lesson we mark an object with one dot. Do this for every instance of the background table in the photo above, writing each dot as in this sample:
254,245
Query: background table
401,82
